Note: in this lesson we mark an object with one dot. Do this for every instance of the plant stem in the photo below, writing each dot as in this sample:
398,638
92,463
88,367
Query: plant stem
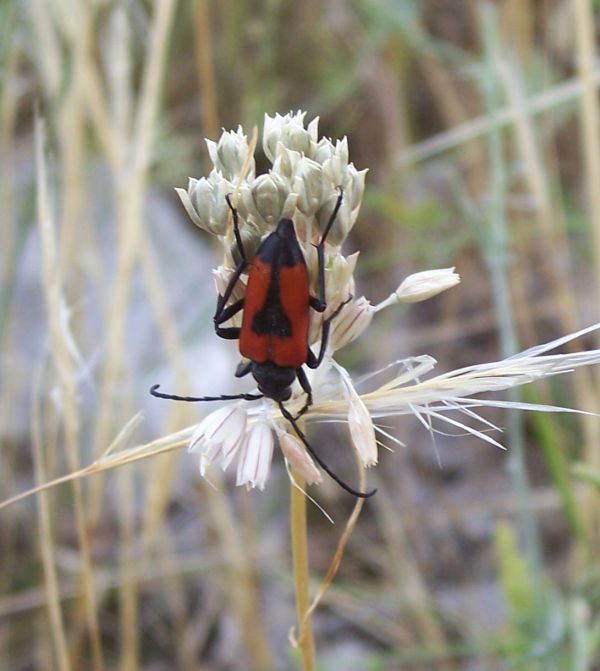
301,574
496,246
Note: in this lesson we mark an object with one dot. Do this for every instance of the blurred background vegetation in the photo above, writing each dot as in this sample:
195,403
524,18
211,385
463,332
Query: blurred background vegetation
479,124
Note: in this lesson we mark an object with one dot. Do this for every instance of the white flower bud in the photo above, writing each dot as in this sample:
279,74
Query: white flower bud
205,202
421,286
341,271
269,198
286,161
339,286
354,188
352,321
255,458
334,170
308,184
229,154
290,131
324,150
299,459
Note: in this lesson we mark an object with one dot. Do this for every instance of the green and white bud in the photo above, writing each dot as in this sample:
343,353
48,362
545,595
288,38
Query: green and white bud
354,188
339,286
268,198
290,131
205,202
325,150
340,270
229,154
286,161
308,184
334,171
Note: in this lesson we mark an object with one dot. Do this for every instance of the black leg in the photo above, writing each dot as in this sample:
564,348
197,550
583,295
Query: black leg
229,333
192,399
222,314
228,312
321,251
243,368
236,229
317,458
319,304
313,361
223,299
305,384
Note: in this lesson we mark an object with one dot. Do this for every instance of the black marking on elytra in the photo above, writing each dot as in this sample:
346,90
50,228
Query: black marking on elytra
279,250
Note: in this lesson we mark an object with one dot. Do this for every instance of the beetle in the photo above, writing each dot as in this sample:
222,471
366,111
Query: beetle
273,336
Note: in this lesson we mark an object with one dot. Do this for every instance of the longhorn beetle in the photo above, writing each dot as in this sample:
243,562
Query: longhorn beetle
274,331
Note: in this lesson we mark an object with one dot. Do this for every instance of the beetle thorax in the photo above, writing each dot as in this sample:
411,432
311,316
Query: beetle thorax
274,381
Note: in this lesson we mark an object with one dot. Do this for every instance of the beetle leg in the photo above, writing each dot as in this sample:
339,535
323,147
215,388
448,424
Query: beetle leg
317,304
305,384
321,251
236,229
243,368
290,418
228,312
228,333
222,299
313,361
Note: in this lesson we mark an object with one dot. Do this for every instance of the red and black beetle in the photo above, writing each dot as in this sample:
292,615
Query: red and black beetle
274,331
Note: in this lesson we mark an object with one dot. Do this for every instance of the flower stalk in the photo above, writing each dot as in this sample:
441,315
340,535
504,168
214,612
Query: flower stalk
299,540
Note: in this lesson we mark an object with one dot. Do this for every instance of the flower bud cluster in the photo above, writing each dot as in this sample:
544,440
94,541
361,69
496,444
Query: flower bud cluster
303,184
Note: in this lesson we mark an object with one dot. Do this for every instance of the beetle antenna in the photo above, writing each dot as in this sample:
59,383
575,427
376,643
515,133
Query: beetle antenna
192,399
317,458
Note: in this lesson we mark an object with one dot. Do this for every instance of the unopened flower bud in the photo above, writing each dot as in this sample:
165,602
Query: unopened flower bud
230,153
421,286
286,161
290,131
334,170
299,459
325,150
341,271
205,202
269,198
355,188
308,184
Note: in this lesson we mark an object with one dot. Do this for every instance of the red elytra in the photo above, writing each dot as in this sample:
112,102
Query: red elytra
277,302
